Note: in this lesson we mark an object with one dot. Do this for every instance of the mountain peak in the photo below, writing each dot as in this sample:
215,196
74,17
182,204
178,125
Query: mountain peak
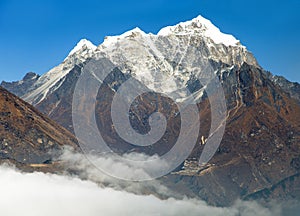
131,33
83,43
30,76
197,26
200,26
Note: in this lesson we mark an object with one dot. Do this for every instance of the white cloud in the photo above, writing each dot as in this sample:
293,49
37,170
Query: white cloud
87,170
35,194
42,194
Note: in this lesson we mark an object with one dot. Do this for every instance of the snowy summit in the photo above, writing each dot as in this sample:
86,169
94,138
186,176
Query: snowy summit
83,43
200,26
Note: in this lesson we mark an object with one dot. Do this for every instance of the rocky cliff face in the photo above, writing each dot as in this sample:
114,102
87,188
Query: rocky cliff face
260,151
292,88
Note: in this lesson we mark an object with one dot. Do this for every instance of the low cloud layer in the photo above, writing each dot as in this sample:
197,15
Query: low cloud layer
87,169
41,194
35,194
92,193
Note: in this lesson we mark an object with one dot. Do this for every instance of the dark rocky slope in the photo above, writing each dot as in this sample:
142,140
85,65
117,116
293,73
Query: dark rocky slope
27,137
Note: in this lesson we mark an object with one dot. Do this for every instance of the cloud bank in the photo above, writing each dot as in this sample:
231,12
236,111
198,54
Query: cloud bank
41,194
35,194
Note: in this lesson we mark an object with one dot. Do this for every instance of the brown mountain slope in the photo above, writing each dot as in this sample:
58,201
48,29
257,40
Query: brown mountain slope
259,156
27,137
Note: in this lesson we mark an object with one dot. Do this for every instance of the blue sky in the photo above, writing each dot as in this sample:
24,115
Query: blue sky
37,35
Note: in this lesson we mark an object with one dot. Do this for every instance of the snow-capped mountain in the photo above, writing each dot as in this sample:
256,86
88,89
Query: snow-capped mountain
259,153
166,57
172,56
